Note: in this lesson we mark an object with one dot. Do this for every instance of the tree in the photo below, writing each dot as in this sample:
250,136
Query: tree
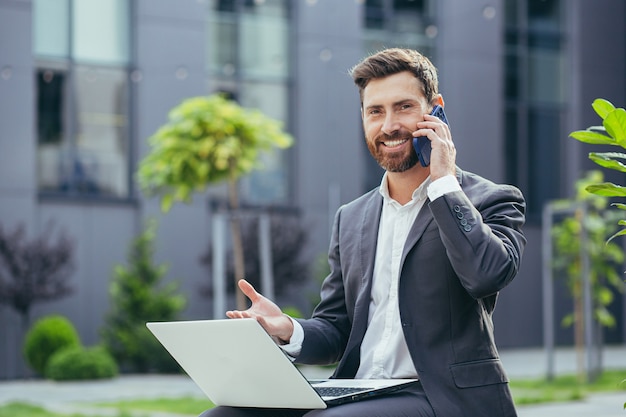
138,296
33,271
597,224
208,140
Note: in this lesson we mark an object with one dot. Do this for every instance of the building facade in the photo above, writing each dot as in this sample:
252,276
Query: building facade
83,85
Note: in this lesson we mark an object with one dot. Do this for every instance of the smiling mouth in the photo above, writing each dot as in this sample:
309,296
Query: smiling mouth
394,143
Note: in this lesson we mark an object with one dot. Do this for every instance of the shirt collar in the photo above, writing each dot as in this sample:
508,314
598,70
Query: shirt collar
419,194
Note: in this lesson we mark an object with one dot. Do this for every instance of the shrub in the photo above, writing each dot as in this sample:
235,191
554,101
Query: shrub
77,362
47,336
138,295
34,271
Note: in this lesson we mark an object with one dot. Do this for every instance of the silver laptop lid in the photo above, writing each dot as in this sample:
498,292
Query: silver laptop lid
236,363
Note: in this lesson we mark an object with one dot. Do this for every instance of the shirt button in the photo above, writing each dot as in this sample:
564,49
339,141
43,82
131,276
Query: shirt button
457,208
467,227
459,215
463,222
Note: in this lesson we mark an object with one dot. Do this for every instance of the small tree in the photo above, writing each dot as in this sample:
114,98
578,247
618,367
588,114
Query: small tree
137,297
33,271
598,224
208,140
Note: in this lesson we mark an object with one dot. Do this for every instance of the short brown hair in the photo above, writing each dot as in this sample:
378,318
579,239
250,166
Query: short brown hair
392,61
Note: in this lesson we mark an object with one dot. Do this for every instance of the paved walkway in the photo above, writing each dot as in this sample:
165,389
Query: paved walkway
69,397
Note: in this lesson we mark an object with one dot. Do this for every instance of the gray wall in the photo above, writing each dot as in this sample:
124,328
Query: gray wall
17,150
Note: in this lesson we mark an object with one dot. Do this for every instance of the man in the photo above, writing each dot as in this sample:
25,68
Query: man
415,266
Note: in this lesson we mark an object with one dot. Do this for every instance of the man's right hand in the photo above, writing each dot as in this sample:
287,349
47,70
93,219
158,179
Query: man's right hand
263,310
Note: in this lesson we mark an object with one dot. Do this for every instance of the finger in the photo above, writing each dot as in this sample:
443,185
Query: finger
429,133
232,314
248,290
236,314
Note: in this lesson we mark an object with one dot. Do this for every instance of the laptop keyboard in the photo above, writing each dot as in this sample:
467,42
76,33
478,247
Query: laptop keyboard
337,391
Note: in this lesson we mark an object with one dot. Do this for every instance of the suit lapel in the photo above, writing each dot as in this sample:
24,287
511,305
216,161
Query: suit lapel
369,223
367,247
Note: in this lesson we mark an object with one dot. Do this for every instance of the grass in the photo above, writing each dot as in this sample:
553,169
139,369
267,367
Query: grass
19,409
183,405
565,388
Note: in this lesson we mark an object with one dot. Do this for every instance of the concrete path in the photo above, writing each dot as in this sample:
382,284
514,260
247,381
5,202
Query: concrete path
69,397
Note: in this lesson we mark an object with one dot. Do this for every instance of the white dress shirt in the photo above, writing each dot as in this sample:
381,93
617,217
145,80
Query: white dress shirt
384,352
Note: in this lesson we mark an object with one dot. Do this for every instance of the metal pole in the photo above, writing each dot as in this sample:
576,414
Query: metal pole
219,263
265,251
548,289
587,296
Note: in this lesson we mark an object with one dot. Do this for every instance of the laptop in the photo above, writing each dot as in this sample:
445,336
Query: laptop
236,363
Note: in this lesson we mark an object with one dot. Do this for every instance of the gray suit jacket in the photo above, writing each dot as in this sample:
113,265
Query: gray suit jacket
462,249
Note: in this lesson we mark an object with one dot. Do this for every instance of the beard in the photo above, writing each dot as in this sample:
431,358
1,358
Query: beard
398,161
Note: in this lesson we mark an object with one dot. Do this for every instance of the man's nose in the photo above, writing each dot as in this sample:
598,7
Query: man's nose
391,124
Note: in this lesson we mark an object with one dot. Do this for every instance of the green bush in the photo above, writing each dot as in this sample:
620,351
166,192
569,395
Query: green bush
47,336
138,295
77,362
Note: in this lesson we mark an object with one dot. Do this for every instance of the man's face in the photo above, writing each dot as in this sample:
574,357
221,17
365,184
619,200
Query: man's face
392,106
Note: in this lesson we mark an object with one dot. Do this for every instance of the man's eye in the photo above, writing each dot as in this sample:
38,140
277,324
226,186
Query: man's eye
405,106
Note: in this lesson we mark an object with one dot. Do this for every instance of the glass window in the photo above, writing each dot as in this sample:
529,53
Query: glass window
248,57
546,75
102,128
82,110
222,52
544,15
401,23
101,31
544,137
264,46
535,92
374,14
269,183
51,26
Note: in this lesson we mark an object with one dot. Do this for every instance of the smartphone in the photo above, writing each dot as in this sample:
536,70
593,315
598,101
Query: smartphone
422,143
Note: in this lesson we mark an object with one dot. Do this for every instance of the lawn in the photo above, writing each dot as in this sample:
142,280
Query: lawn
185,405
565,388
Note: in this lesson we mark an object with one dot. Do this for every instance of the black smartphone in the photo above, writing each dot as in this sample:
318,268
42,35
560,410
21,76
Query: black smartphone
422,143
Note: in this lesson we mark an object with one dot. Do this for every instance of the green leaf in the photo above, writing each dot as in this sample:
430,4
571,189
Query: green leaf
620,233
620,206
593,138
615,124
609,160
602,107
607,189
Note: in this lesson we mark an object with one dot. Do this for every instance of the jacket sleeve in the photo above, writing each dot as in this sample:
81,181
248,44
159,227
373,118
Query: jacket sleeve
481,230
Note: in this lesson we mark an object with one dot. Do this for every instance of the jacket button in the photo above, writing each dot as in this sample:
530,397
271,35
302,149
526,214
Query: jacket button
459,215
467,227
457,208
